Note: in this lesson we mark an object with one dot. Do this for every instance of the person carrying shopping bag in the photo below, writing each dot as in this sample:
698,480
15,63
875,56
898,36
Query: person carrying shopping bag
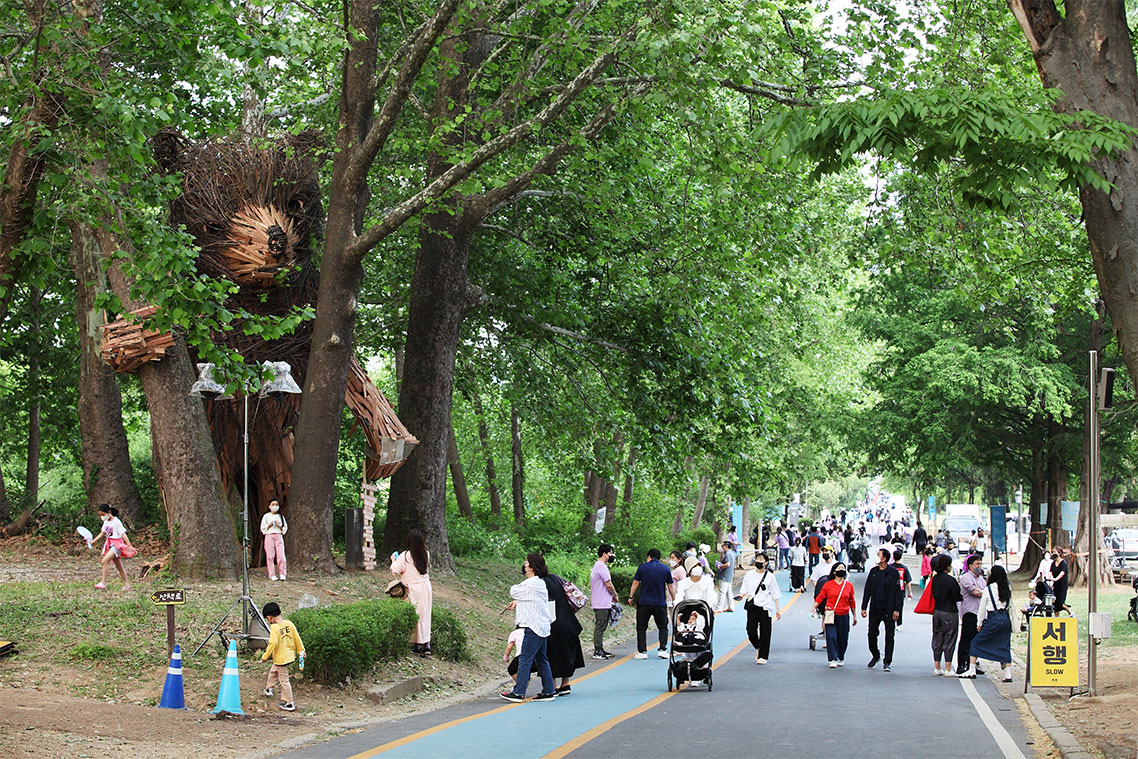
835,602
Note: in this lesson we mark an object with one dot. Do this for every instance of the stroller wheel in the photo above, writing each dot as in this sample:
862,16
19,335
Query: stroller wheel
813,641
669,681
709,681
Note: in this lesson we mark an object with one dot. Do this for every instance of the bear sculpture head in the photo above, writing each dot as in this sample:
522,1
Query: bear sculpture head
252,210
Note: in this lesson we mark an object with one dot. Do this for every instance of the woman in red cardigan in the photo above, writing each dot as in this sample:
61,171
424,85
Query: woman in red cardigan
835,602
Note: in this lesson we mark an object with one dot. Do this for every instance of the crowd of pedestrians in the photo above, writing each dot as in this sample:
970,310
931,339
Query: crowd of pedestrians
970,613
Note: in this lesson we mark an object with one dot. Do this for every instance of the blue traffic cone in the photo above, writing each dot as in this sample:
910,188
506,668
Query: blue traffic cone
229,696
173,696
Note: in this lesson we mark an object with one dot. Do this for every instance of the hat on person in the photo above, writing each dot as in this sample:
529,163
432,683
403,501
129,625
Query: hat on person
704,547
691,562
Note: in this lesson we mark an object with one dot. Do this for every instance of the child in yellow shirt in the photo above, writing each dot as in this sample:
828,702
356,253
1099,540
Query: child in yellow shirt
284,647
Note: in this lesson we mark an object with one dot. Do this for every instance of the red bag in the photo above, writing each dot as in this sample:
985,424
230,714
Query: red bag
926,605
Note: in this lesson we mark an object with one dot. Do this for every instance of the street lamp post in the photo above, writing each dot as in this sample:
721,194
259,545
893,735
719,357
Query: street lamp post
208,387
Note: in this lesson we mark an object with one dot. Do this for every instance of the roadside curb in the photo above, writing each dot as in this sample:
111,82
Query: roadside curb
1068,746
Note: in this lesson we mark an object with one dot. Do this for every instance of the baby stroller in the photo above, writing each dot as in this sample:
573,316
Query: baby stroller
856,551
690,655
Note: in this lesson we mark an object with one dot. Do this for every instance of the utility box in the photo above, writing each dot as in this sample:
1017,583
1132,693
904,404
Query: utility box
354,537
1100,625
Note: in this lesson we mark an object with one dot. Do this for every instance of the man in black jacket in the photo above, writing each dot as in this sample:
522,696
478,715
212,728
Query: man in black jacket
884,597
920,538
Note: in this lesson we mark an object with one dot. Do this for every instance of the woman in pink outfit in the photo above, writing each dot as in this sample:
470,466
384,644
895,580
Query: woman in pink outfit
411,568
274,527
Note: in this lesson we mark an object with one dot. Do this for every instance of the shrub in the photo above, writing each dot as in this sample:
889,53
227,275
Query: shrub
622,581
470,538
569,568
347,639
448,636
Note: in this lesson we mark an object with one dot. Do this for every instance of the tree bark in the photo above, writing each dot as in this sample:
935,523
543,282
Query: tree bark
108,475
519,474
700,501
488,453
629,481
1037,493
457,478
32,471
5,504
201,523
1087,54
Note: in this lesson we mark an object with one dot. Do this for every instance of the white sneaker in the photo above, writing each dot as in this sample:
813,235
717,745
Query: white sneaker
273,578
662,654
841,662
950,673
640,655
833,665
760,661
938,673
283,578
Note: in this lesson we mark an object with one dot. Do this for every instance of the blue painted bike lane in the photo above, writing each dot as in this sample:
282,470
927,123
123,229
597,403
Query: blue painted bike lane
490,730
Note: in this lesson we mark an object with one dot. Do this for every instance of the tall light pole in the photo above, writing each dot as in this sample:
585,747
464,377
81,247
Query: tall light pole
210,388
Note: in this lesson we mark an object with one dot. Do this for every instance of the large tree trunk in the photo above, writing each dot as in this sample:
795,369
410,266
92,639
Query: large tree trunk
700,501
1089,57
200,521
629,481
457,478
1037,493
518,467
440,298
488,453
108,476
32,471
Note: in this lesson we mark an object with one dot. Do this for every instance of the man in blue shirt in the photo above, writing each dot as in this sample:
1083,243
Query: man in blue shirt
655,583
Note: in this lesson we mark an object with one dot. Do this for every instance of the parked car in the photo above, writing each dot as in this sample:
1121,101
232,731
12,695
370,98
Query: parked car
1126,540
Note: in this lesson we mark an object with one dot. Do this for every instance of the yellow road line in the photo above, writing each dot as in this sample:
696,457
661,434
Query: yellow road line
604,727
446,725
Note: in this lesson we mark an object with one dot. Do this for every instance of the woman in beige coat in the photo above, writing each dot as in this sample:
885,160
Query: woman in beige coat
410,567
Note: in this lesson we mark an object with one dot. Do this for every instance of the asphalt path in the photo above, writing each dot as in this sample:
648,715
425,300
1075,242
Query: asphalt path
794,706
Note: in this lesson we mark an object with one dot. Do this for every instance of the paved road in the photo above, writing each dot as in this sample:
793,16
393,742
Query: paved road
795,706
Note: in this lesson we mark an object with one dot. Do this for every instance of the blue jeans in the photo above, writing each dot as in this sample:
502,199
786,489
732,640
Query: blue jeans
783,558
838,637
533,652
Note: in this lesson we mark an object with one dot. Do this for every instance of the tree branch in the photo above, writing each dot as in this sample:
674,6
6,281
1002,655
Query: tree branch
397,215
763,93
526,194
283,111
400,89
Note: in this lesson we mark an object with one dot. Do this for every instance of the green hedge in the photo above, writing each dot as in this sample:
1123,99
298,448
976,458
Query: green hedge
448,636
347,639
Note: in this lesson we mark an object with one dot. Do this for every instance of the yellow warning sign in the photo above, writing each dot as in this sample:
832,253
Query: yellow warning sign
1054,648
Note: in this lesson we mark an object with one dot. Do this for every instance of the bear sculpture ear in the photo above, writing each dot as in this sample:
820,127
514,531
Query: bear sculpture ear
308,144
168,146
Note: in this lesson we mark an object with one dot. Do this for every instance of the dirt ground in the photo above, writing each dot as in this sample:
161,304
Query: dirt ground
52,706
1108,723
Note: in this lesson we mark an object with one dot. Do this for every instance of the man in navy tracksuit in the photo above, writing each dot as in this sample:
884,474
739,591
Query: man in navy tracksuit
885,598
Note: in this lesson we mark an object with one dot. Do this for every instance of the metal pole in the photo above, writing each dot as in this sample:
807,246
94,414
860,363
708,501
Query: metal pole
245,524
1092,528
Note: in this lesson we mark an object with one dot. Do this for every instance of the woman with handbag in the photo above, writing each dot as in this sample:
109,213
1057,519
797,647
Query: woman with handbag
410,568
835,601
563,649
993,639
761,590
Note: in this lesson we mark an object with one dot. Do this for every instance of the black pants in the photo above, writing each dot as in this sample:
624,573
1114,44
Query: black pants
643,614
759,630
875,619
797,578
964,646
812,560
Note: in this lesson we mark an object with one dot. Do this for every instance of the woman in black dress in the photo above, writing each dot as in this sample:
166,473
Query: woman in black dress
564,646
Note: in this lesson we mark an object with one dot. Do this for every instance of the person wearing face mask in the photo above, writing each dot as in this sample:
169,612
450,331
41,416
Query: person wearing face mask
531,612
836,601
116,546
676,563
822,571
697,585
972,586
884,598
274,527
761,590
602,599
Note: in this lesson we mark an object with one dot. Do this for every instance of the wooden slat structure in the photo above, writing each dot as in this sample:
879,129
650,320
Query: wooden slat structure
127,345
389,442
